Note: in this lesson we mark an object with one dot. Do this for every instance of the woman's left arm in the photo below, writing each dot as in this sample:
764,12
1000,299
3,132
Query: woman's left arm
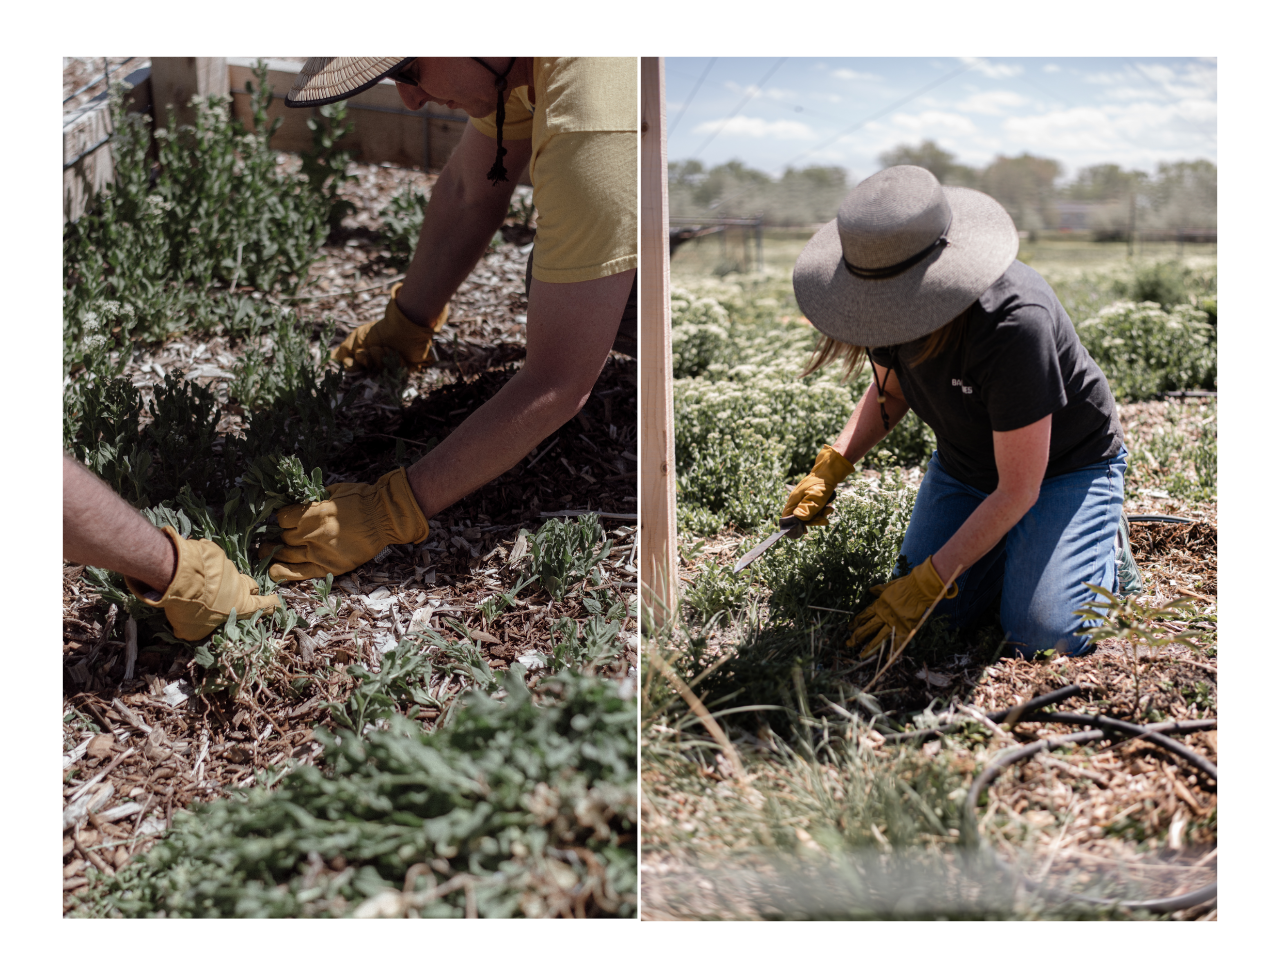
1022,455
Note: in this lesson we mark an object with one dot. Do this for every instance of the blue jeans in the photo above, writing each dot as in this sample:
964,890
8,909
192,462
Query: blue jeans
1039,570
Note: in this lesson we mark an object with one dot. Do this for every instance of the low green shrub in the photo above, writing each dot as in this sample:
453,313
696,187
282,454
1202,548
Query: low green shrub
216,209
565,553
401,224
506,787
1144,350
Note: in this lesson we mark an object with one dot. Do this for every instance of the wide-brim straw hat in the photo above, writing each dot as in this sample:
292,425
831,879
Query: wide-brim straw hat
325,80
904,256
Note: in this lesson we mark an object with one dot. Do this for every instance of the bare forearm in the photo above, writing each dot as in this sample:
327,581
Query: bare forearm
570,329
490,441
101,529
865,428
995,516
461,217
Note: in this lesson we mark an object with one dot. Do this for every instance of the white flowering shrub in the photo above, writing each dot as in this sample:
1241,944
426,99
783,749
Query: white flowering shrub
745,423
1144,349
699,335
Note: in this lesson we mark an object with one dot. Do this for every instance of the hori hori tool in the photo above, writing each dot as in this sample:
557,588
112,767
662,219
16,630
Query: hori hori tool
788,526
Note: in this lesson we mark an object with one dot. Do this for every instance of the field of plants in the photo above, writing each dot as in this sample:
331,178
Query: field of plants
446,731
782,777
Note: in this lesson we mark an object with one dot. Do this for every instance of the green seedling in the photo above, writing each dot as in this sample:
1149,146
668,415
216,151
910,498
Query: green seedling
564,553
330,603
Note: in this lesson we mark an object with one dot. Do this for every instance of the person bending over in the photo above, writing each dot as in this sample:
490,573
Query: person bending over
1021,503
573,122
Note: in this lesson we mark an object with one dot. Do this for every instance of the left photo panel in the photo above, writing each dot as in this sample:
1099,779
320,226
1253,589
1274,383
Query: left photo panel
350,514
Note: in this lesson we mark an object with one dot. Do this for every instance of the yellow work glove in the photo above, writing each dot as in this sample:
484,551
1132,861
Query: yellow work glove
900,605
347,529
206,586
809,501
367,345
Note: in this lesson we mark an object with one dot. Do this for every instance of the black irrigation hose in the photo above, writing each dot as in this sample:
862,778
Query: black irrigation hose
1151,733
1133,729
1011,715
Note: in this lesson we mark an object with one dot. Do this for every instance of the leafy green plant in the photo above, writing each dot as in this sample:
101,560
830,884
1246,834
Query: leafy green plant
402,222
564,553
1144,350
330,603
237,655
488,800
325,166
403,679
717,591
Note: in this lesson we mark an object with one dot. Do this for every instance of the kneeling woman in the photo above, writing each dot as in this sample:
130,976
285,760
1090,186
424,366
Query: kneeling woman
1022,499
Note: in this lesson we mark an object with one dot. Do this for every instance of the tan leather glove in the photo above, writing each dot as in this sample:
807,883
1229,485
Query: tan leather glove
206,585
367,345
808,501
900,605
347,529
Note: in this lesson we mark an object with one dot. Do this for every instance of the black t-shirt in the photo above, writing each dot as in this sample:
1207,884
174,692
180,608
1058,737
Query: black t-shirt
1017,360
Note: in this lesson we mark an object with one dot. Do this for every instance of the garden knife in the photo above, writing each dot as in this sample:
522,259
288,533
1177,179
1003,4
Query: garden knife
788,526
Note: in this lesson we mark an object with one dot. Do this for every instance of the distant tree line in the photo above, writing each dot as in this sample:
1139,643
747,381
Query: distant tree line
1105,197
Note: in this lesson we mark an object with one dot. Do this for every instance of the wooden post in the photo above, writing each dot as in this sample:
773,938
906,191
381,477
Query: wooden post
175,80
657,420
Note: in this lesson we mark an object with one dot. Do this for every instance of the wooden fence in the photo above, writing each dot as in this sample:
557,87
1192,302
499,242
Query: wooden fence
384,130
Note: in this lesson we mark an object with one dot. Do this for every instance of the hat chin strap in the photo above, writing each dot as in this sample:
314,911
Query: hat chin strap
892,270
498,173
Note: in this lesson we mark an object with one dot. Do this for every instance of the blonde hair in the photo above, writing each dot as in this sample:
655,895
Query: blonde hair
942,339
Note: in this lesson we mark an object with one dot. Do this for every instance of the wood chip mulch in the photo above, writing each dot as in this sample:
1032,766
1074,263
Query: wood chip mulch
161,747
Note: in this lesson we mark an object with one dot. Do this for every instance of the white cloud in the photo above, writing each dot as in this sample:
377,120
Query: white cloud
987,69
994,102
1051,69
759,128
845,74
1135,133
930,122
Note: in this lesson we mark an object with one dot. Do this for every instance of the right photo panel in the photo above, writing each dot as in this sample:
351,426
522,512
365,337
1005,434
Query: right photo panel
929,509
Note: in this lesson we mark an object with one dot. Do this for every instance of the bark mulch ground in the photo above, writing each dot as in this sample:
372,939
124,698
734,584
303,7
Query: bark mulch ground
160,747
1129,812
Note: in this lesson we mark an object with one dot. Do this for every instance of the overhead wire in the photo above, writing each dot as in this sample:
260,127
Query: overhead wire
885,111
689,101
751,93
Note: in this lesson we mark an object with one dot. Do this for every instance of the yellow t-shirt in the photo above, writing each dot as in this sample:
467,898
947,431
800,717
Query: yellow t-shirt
582,119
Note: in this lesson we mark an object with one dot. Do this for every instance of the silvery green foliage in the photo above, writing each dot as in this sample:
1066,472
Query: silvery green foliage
1144,349
699,334
493,793
564,553
746,424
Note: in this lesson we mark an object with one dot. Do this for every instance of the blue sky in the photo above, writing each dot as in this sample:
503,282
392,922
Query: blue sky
806,111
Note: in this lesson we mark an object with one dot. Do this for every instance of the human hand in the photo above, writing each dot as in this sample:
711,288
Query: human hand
206,587
899,607
350,527
369,345
809,501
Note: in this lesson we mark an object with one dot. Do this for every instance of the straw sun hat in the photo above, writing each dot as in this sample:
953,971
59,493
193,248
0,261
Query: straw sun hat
904,256
325,80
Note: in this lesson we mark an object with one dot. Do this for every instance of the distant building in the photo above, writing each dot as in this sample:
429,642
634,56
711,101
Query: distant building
1074,215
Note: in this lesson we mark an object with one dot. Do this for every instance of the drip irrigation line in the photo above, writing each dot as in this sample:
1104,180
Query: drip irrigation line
751,93
1150,732
687,102
1134,730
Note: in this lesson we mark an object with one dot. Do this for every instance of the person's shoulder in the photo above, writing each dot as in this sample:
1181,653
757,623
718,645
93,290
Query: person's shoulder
587,94
1020,289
